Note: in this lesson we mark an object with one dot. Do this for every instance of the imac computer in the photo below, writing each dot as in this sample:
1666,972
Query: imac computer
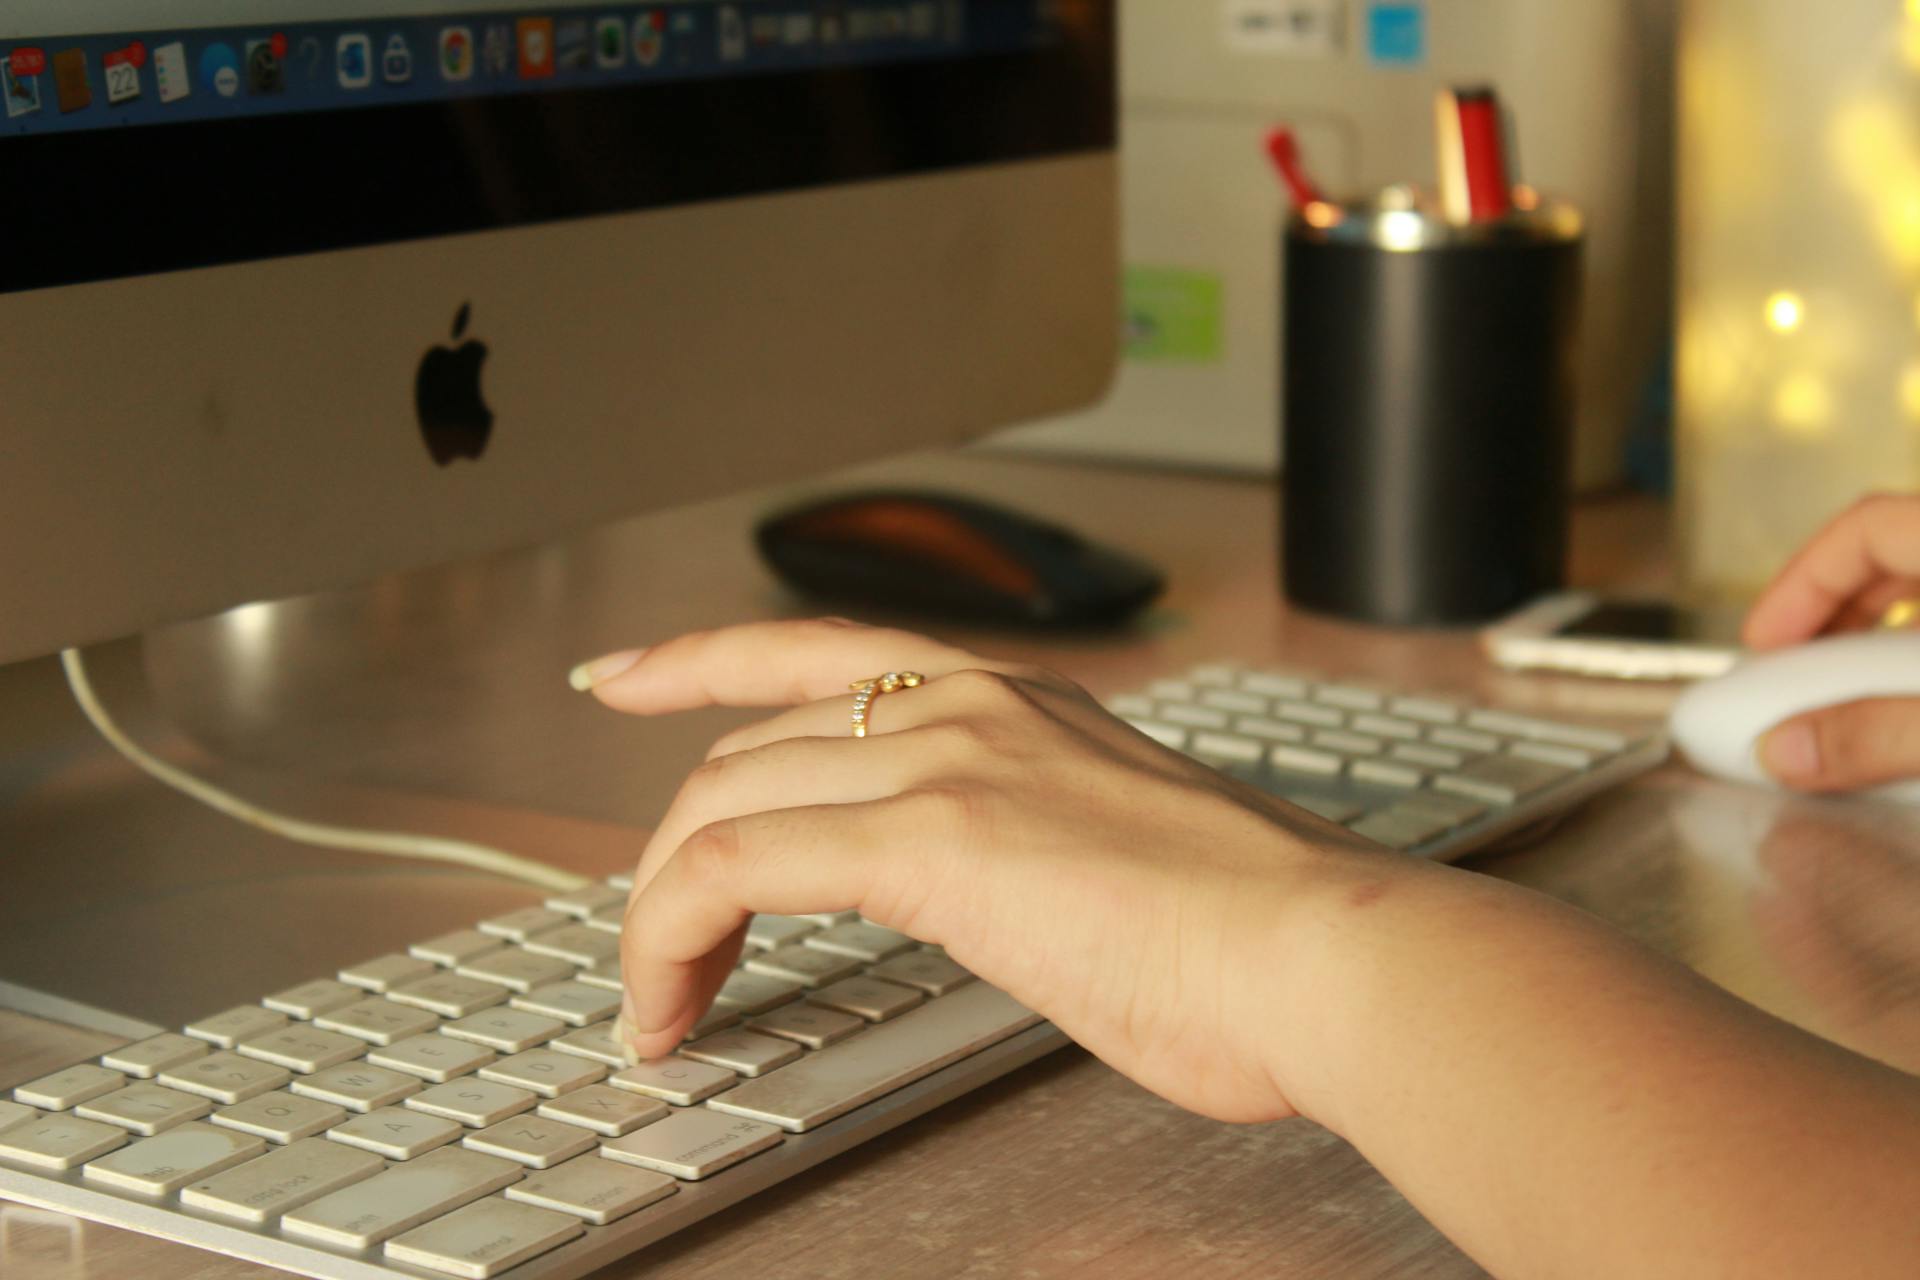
301,293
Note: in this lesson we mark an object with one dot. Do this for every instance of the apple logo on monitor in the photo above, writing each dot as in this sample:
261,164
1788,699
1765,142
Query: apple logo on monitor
453,414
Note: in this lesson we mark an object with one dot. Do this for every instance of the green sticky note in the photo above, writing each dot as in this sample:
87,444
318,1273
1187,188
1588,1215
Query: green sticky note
1175,315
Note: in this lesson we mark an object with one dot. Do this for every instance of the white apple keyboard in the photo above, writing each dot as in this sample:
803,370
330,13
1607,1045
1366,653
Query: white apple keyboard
1428,775
1718,724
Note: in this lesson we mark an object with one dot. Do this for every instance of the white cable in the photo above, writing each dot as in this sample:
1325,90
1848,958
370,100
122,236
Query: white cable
392,843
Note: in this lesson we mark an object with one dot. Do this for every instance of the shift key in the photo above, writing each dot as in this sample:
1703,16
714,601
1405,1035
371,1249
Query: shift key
261,1190
403,1197
835,1080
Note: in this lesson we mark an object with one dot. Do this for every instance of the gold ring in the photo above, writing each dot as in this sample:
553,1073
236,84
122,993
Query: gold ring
865,691
1900,614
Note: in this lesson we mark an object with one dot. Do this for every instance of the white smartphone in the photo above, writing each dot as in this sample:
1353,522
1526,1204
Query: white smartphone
1592,635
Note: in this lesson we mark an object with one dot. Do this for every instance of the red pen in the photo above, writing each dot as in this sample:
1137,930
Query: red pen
1484,151
1284,150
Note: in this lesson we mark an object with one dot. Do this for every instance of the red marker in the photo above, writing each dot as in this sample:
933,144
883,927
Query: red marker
1284,150
1484,148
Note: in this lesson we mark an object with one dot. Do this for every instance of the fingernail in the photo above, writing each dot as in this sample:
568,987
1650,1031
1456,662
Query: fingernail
589,675
623,1031
1791,753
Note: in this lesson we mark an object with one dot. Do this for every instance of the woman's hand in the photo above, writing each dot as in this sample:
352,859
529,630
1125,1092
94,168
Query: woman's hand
1150,907
1864,562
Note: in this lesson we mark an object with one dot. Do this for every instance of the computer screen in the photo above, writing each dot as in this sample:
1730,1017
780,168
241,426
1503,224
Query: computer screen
298,293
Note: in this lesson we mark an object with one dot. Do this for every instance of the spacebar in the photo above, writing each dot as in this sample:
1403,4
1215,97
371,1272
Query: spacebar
890,1056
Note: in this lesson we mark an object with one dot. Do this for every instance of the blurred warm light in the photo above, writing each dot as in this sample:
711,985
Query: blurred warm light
1785,311
1525,198
1400,230
1913,10
1320,214
1910,390
1873,144
1803,404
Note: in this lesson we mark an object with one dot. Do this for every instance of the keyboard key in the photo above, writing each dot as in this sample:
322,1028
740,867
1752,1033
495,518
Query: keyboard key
547,1073
579,944
1269,730
808,1024
1308,713
1427,757
1353,697
1431,710
1304,760
718,1017
581,903
742,1052
1167,735
1132,704
63,1090
1193,717
804,965
575,1003
359,1086
1386,773
400,1199
1457,810
261,1190
12,1113
534,1141
148,1058
621,880
1172,691
398,1133
485,1238
609,920
923,971
755,993
835,1080
517,968
1228,700
432,1057
449,995
524,923
594,1043
59,1142
679,1081
161,1166
693,1144
1604,741
869,942
1347,744
1464,740
473,1102
280,1118
1269,684
868,998
226,1077
455,948
1387,727
310,999
1553,753
386,971
601,1191
768,932
506,1030
302,1048
605,1110
145,1108
231,1026
1501,779
1227,746
378,1020
1400,828
1336,809
605,976
1212,674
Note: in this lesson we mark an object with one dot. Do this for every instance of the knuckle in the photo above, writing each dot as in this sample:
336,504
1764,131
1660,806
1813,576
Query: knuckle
989,688
712,852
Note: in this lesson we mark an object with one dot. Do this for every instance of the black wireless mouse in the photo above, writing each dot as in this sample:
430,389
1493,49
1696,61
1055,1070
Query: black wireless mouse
938,553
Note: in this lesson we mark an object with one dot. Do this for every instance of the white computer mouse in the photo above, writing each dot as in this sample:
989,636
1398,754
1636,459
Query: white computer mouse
1718,723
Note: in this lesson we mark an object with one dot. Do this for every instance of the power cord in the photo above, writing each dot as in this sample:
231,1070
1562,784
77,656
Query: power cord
398,844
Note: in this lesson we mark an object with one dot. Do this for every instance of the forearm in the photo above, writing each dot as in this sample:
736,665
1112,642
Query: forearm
1564,1102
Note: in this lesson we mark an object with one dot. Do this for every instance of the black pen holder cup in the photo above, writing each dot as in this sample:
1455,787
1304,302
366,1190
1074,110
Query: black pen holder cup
1428,399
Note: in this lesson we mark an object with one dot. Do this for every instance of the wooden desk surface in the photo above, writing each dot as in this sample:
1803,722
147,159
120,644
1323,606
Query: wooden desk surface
450,683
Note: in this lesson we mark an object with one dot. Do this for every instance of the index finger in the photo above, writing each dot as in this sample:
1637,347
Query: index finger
1875,538
770,664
